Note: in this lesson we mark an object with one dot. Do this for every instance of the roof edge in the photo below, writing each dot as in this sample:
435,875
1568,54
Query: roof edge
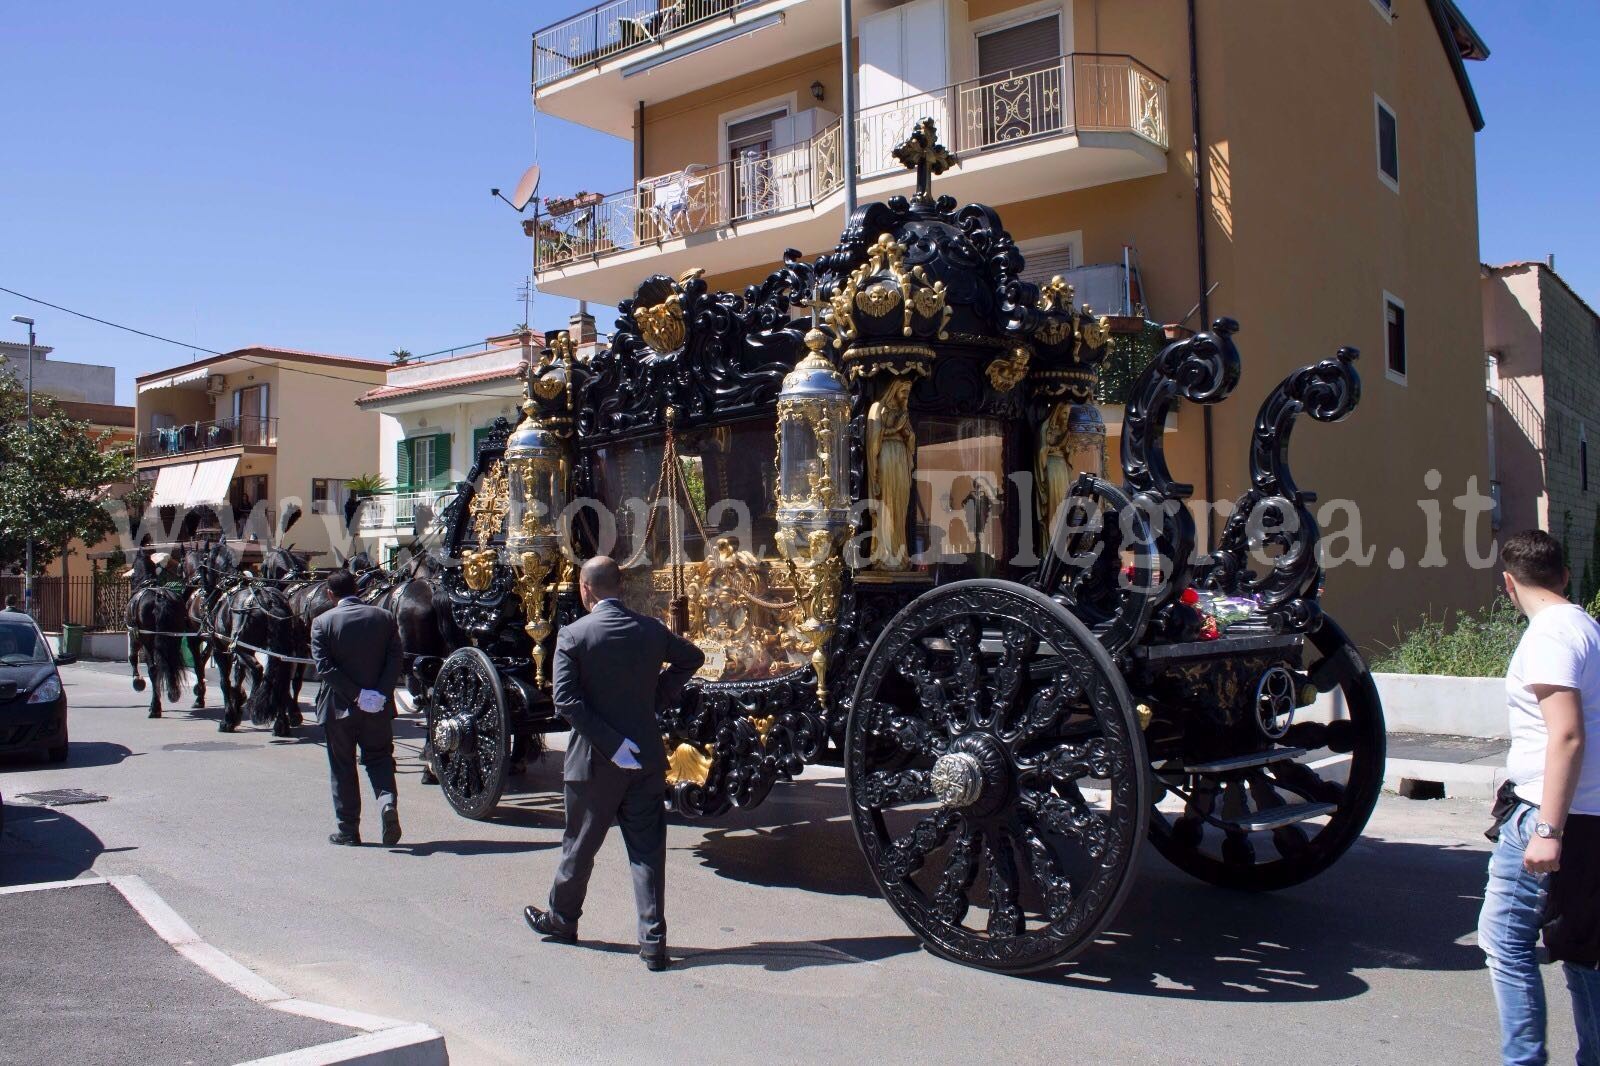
1446,19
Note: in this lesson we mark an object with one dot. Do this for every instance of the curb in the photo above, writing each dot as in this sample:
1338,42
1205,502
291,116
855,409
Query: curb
381,1042
1461,780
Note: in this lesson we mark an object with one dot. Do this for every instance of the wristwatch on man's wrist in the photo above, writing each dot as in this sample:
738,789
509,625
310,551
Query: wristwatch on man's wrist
1546,830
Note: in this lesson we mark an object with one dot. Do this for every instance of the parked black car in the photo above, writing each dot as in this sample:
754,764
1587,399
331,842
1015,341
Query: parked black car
33,703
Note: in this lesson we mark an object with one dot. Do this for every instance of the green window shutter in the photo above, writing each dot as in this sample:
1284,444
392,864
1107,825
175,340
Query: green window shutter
477,442
402,466
440,478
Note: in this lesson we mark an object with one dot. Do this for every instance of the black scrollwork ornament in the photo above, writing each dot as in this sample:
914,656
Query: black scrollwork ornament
1273,513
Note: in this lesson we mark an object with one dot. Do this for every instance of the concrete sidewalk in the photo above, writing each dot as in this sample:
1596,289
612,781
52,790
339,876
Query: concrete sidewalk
140,986
1467,767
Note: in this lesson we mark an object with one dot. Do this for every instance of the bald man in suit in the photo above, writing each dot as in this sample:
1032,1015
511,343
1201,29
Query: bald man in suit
608,683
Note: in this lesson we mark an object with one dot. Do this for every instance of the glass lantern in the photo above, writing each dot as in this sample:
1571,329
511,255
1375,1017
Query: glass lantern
1086,440
813,452
536,460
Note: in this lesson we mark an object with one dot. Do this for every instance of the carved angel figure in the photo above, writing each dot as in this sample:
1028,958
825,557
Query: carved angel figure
1052,470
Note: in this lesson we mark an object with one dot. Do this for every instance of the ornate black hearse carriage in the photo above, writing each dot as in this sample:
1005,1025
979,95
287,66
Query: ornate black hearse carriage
870,489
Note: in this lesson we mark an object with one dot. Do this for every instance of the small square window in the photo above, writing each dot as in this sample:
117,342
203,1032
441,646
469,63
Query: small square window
1388,146
1394,338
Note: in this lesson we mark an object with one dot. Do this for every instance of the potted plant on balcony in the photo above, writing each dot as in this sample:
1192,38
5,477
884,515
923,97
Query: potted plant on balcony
363,487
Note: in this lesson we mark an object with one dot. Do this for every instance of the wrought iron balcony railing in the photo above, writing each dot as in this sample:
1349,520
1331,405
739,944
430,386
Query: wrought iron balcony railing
251,430
398,510
1078,93
610,29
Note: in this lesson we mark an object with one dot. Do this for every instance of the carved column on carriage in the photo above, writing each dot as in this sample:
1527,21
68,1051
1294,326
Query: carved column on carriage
538,460
1068,344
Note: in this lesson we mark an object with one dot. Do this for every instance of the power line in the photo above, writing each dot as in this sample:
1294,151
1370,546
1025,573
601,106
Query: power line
282,367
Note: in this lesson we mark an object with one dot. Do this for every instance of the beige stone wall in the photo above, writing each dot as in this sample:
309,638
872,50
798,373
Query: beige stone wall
321,433
1571,345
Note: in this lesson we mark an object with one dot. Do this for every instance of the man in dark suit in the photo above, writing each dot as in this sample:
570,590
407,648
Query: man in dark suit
608,684
356,649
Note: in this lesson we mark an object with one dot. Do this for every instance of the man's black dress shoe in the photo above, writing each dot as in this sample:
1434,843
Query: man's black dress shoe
540,922
655,963
346,839
391,826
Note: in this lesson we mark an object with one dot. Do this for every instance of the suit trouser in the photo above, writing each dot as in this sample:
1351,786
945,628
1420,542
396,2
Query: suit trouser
633,800
373,735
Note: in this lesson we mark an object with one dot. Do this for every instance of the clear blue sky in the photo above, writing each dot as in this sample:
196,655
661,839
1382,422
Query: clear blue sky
315,175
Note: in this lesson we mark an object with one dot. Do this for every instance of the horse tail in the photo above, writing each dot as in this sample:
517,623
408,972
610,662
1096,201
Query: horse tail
166,665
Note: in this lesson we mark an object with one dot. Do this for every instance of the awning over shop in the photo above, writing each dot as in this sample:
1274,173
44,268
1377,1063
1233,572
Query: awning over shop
172,485
211,480
182,378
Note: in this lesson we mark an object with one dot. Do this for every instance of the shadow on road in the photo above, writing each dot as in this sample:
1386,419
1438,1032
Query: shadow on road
475,847
45,844
80,754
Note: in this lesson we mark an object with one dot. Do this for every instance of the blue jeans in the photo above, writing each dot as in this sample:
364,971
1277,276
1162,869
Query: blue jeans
1584,984
1508,932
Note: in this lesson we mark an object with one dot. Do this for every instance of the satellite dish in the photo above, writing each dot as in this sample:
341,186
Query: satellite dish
526,188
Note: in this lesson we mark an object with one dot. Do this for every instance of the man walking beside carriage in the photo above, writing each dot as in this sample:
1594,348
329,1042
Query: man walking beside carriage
608,683
356,649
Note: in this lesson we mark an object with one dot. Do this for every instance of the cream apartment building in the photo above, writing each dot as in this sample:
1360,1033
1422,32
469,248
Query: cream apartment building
1310,174
432,416
246,433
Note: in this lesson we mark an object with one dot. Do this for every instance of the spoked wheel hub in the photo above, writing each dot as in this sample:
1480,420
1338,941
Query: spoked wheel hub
468,725
997,775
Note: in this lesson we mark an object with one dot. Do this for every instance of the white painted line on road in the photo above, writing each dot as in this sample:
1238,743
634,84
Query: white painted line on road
154,910
45,886
386,1040
410,1045
1329,761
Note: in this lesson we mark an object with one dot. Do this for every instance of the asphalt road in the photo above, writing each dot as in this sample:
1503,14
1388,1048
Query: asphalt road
787,952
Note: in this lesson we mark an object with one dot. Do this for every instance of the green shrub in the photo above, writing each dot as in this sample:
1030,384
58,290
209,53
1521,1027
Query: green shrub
1471,645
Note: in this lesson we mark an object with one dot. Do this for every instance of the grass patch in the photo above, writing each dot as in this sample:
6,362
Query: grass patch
1471,645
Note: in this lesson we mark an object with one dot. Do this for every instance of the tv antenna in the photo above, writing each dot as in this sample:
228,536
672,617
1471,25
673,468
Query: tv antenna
525,292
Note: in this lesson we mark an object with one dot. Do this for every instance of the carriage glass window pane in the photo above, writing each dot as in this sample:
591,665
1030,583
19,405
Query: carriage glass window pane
960,481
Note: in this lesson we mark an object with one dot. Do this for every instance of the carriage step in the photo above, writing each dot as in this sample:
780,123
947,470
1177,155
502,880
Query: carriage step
1278,817
1240,762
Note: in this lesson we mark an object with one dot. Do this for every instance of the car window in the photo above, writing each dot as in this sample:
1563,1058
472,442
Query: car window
21,643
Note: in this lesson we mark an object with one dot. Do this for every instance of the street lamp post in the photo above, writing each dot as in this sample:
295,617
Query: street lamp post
27,566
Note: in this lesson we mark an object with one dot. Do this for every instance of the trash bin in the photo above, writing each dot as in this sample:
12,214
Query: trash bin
70,644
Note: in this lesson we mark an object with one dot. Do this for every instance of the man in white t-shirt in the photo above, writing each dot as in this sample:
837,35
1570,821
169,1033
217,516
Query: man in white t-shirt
1543,868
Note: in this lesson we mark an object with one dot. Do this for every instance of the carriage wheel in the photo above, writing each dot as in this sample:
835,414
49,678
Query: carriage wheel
1275,824
468,727
1008,839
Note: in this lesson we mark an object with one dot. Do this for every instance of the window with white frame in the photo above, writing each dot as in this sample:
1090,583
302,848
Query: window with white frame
1388,132
1394,338
328,495
1046,257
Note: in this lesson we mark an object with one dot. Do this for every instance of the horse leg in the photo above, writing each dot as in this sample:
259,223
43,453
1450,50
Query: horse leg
231,713
133,661
198,652
519,752
299,675
428,776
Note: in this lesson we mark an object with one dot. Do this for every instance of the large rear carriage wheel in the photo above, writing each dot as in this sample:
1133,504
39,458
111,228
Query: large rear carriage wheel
996,775
469,732
1281,817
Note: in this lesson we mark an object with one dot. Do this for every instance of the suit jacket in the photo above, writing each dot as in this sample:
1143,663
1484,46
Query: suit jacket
354,646
609,681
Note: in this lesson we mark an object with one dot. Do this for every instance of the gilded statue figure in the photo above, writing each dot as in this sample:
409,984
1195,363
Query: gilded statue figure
1052,471
891,443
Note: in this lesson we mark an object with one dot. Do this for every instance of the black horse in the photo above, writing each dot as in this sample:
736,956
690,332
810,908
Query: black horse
247,619
154,617
309,598
205,570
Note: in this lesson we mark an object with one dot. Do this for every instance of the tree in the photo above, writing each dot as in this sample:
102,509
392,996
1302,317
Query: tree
401,356
52,480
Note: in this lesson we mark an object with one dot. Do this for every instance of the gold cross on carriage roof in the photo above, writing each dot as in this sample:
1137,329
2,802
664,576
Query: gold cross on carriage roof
923,153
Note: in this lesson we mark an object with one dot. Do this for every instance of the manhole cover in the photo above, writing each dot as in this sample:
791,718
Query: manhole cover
61,797
207,745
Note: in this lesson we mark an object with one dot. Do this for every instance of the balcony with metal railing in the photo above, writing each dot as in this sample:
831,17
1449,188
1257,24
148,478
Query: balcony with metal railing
608,30
1079,120
399,510
250,431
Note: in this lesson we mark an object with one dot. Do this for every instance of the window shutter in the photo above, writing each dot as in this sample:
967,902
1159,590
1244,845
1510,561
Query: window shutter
440,477
1047,263
1021,48
402,465
477,441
